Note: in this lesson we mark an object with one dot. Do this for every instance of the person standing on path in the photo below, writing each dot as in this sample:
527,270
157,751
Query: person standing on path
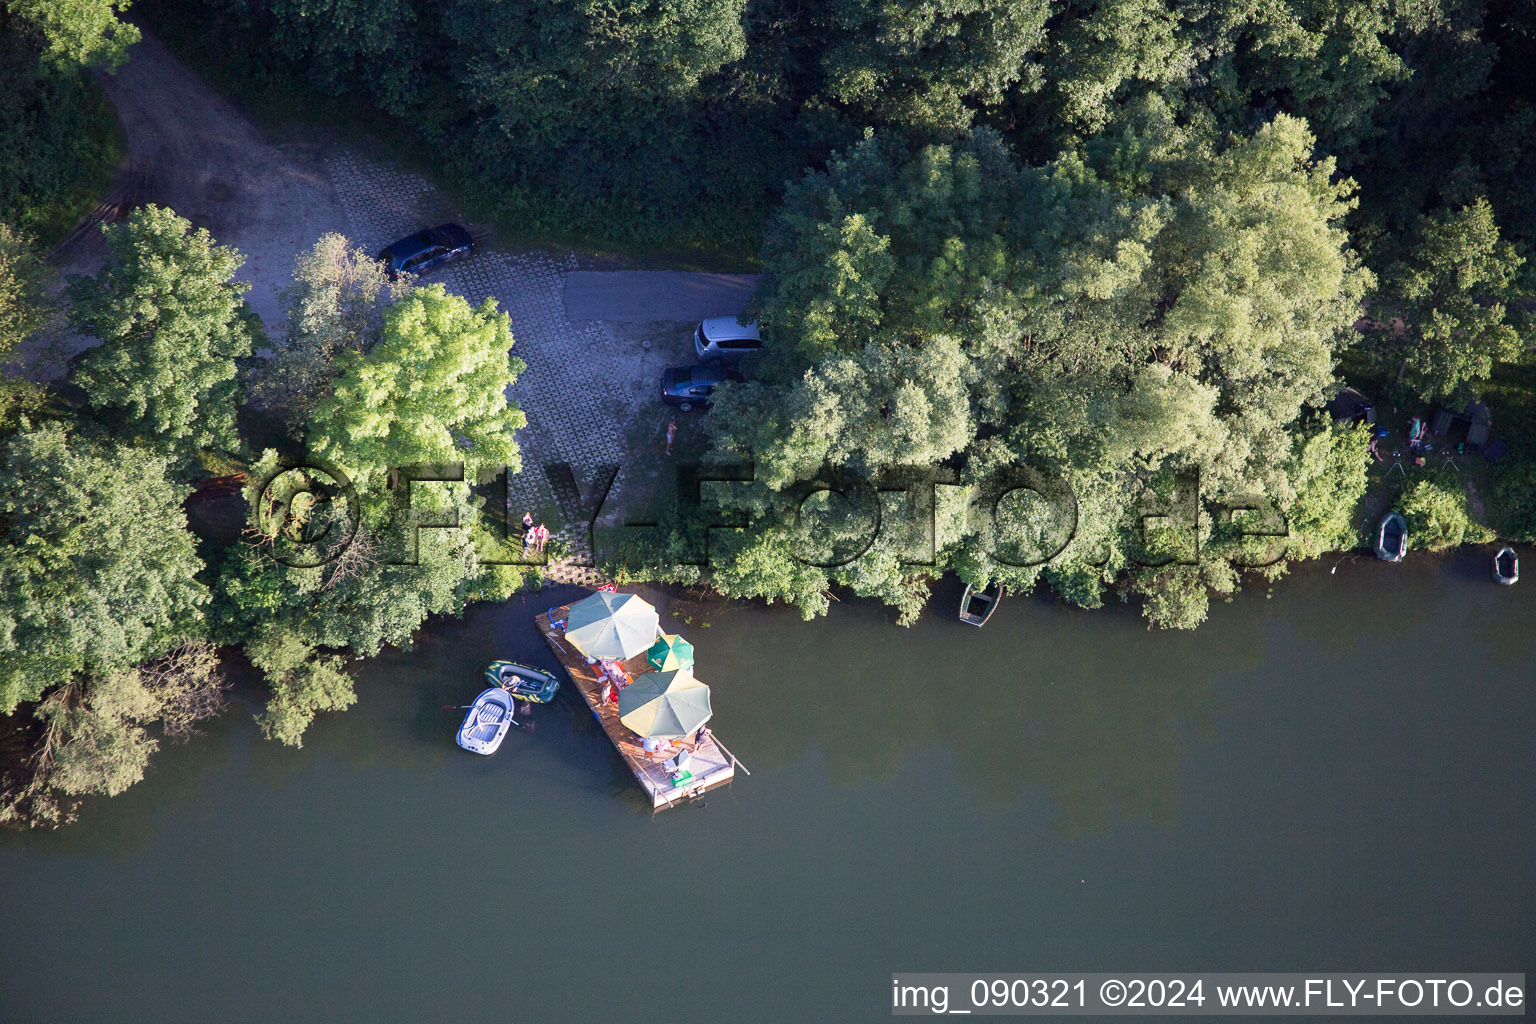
671,435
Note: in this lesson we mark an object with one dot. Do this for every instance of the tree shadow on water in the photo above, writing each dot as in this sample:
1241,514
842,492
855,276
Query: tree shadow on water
1089,708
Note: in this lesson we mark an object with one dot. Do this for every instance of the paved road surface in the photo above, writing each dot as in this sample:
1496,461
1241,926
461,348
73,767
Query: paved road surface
640,295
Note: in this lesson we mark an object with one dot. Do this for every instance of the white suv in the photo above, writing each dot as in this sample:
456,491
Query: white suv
722,339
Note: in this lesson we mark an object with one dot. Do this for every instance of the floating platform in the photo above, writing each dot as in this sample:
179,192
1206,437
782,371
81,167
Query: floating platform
712,766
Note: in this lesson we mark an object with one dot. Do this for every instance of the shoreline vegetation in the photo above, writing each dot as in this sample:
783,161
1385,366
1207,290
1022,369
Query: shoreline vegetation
1129,247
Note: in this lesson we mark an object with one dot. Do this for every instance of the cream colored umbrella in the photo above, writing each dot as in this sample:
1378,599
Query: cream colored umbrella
611,626
665,705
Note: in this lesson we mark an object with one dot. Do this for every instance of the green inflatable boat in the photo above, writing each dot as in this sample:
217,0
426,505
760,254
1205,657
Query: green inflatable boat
525,683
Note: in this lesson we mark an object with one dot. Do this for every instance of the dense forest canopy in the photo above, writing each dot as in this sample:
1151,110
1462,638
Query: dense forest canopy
664,121
1107,318
1121,252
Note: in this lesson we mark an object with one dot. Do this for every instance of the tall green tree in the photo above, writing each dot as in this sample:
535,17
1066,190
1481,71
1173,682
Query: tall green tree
97,738
85,32
1224,62
172,322
95,731
929,66
336,304
1156,309
551,67
303,685
1258,287
60,134
24,311
542,75
432,391
97,568
346,45
1329,479
24,306
536,80
1443,318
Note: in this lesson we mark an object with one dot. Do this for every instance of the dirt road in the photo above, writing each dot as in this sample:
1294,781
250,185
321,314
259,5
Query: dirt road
201,156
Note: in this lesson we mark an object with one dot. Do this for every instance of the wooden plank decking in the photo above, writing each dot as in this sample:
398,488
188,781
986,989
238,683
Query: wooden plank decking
711,765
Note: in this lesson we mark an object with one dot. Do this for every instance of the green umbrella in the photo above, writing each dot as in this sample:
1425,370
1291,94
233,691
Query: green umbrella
665,705
670,651
611,626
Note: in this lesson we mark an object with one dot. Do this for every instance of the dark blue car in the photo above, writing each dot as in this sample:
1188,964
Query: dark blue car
689,387
426,249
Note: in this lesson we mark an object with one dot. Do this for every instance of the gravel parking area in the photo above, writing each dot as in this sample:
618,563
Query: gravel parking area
594,343
573,390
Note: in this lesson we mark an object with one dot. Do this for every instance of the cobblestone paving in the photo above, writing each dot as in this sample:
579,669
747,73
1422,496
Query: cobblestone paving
574,391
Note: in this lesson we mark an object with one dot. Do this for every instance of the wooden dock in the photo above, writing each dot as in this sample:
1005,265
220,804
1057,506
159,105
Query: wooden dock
711,766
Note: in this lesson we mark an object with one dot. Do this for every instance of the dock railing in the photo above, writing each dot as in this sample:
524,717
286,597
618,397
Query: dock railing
727,752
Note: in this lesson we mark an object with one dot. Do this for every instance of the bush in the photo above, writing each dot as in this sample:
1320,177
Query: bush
1438,516
1514,499
63,142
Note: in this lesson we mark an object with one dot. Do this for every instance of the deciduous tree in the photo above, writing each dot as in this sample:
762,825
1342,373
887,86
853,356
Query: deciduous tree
929,66
1110,320
172,322
97,568
303,685
1442,319
432,391
86,32
24,311
336,304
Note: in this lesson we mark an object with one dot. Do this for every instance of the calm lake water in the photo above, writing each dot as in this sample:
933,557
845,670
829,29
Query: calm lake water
1338,777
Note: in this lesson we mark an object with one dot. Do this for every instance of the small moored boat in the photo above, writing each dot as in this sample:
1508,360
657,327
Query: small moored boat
976,607
486,725
531,684
1392,538
1506,566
